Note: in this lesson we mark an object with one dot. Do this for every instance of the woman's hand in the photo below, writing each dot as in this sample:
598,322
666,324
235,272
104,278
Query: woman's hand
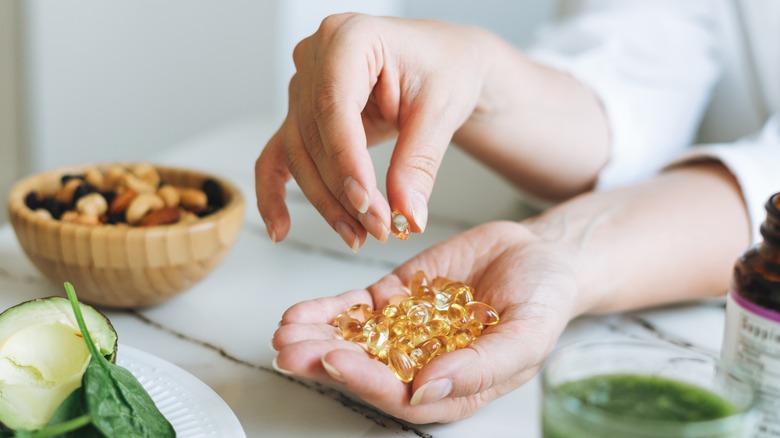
361,80
526,279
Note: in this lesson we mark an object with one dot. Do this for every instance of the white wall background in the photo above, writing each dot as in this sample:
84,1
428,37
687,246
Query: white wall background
122,79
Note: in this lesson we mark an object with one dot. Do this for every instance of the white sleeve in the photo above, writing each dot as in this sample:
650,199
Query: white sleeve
754,161
652,63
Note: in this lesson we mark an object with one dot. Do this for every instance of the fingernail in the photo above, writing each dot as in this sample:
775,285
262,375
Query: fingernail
375,226
348,235
271,344
419,211
331,370
275,365
432,391
269,228
357,195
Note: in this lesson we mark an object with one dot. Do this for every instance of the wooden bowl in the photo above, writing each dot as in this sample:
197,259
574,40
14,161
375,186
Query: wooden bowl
125,267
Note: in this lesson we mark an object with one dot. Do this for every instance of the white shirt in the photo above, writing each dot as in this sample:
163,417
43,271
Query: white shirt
680,80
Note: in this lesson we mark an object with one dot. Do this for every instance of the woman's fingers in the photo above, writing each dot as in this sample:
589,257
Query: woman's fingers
425,132
369,379
305,171
325,310
304,358
271,174
335,95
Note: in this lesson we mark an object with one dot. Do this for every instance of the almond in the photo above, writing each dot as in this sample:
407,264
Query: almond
163,216
121,202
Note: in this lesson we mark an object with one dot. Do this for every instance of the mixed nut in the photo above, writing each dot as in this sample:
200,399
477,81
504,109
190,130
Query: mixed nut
134,195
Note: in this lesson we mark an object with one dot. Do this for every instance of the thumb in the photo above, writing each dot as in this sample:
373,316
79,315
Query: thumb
422,140
496,361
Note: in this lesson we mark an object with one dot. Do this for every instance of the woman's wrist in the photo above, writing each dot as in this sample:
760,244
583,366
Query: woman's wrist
516,125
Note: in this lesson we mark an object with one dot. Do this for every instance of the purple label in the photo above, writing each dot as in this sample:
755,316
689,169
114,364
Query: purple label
755,308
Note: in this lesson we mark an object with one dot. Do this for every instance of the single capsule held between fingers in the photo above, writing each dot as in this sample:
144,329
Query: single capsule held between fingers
400,225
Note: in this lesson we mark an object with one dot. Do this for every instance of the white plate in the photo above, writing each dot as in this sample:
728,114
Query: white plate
192,407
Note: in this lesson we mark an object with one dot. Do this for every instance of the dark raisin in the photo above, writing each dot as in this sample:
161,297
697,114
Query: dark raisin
213,192
206,211
32,201
116,218
109,196
55,207
65,178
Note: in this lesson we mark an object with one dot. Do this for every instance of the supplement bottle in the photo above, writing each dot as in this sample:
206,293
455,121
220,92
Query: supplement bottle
752,334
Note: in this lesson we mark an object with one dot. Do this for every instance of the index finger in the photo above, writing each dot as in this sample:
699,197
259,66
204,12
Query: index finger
324,310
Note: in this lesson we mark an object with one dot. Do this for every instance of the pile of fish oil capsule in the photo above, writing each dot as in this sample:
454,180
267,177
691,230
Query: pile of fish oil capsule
439,316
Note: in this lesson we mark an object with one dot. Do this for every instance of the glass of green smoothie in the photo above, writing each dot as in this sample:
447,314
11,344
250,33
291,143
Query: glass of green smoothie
633,389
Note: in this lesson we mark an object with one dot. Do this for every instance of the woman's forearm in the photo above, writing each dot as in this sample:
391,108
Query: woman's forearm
538,127
674,238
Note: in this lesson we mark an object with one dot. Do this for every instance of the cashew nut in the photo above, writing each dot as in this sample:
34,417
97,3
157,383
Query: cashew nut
43,213
141,205
93,204
94,177
136,184
193,199
146,173
170,195
87,219
113,177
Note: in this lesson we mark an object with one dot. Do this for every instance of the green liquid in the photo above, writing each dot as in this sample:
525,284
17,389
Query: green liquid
627,397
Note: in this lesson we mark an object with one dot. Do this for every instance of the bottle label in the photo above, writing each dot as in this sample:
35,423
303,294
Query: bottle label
752,340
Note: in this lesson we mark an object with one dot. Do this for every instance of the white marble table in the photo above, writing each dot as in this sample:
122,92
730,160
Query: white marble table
220,329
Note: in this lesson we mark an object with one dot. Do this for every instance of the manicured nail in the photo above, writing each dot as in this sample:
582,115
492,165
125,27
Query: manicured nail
348,235
269,228
271,344
432,391
357,195
332,371
275,365
419,211
375,226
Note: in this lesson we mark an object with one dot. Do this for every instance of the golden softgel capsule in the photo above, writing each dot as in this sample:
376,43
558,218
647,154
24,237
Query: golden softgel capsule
400,225
438,316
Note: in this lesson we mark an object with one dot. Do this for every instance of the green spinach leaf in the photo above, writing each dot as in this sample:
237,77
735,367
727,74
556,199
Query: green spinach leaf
117,402
72,408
